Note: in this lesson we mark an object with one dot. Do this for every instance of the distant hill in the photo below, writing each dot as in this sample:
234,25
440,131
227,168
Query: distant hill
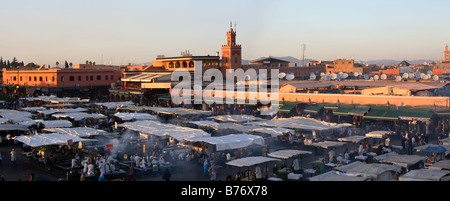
300,62
389,62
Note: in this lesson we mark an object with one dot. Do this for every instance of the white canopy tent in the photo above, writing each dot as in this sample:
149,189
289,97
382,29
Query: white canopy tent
203,123
328,144
160,129
48,139
15,116
77,116
274,132
375,171
65,110
178,111
56,123
127,116
78,131
426,175
287,153
54,99
302,123
13,127
404,160
235,118
251,161
354,139
337,176
232,141
378,134
440,165
113,105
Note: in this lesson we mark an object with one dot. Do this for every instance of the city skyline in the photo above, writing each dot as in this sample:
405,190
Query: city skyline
137,31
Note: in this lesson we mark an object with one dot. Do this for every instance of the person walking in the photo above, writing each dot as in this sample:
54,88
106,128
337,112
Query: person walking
13,157
206,166
166,175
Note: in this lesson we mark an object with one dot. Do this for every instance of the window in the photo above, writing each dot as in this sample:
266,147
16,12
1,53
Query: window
171,65
62,78
35,78
14,78
40,79
106,77
87,78
20,78
235,59
71,78
79,78
99,77
29,78
112,77
92,78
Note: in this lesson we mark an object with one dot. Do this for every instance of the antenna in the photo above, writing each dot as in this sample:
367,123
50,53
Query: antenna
303,51
235,26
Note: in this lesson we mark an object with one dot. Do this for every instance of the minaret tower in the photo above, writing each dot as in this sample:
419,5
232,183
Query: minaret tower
446,54
231,52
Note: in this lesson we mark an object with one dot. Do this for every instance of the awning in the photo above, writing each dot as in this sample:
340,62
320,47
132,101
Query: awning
49,139
395,114
287,107
352,110
331,107
142,78
314,109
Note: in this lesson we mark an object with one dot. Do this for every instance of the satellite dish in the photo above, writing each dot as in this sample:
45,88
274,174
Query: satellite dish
435,77
371,78
411,75
430,72
355,74
333,76
345,75
262,76
328,77
281,75
197,87
312,77
366,77
290,76
376,77
322,74
398,78
423,76
383,77
405,76
417,74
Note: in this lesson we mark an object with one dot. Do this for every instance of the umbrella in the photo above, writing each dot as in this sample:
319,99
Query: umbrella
435,149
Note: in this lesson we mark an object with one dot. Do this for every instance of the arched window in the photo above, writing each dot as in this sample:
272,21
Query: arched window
184,64
171,65
191,64
177,65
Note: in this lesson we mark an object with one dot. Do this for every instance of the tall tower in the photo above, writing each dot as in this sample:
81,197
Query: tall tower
446,54
231,52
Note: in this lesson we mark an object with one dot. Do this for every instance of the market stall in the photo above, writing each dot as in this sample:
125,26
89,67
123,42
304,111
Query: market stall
374,171
134,116
232,141
405,161
426,175
252,161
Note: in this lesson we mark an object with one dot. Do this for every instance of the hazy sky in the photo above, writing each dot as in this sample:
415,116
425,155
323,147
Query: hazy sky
135,31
